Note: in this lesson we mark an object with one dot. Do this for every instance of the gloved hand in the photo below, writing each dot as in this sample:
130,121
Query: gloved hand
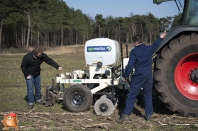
59,68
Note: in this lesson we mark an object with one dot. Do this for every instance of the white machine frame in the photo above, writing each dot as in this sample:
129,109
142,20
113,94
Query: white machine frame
104,78
76,77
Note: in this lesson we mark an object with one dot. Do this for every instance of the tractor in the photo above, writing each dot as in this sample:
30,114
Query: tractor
175,71
176,65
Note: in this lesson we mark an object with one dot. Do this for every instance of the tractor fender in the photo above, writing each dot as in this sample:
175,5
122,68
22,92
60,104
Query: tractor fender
174,32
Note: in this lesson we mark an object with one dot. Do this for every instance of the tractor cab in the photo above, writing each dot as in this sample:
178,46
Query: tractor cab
190,13
190,10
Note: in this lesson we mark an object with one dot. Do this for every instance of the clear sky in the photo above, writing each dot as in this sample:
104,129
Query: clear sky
123,8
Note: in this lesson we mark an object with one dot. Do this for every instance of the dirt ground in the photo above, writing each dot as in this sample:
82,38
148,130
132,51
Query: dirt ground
54,119
57,118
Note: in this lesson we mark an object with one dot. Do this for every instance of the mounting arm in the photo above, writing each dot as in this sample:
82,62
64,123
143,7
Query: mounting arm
160,1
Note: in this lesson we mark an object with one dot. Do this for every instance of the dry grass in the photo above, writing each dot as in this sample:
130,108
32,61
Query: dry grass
60,50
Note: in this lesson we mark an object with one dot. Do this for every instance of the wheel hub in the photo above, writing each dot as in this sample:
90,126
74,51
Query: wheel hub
103,107
194,75
77,98
186,76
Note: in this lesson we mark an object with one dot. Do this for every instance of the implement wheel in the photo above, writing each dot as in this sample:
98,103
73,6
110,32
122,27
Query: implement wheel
104,106
77,98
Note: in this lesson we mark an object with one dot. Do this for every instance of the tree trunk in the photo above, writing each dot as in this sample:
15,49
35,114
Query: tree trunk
99,31
16,36
22,40
87,37
29,27
119,34
31,39
150,35
1,26
76,38
72,36
127,37
116,33
38,38
62,36
58,38
142,32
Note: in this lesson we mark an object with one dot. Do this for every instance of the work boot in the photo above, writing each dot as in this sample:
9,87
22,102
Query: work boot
30,106
147,117
39,102
123,118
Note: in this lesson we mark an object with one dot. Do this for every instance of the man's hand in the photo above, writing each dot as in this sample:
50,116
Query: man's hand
163,35
124,79
29,77
60,68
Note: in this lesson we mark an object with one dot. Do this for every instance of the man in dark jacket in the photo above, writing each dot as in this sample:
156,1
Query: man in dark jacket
31,69
140,59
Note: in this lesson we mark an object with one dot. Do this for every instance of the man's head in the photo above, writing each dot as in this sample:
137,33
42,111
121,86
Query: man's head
137,40
38,51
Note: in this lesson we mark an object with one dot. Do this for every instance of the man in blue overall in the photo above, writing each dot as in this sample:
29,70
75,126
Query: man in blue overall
140,59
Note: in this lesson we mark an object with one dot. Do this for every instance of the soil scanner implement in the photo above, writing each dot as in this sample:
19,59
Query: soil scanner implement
103,79
175,71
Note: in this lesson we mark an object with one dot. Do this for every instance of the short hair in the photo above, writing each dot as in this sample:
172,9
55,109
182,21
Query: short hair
38,50
137,38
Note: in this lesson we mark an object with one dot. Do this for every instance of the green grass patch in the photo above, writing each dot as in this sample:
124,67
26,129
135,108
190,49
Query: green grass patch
13,88
13,91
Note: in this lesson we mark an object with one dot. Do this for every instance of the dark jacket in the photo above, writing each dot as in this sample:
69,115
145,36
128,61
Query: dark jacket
31,65
141,59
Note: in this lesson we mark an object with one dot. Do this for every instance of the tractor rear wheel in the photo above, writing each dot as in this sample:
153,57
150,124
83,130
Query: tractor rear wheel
176,75
77,98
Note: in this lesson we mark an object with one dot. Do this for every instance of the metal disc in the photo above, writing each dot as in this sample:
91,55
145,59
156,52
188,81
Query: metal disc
46,102
104,106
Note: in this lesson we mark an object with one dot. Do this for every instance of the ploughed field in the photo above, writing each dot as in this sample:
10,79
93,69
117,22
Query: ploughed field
13,99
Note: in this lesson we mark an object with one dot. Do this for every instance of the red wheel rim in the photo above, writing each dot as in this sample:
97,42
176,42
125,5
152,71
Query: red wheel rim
182,76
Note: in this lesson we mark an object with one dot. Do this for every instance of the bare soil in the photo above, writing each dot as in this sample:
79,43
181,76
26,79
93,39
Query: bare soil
51,118
57,118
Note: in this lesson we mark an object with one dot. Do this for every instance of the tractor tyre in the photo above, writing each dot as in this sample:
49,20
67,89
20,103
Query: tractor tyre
176,75
77,98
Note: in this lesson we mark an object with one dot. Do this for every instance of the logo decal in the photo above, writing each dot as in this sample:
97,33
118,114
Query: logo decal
74,81
98,48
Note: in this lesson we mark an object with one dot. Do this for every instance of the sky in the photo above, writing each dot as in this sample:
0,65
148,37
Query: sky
124,8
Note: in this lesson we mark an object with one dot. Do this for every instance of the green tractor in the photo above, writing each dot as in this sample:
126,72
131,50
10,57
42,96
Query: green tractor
176,65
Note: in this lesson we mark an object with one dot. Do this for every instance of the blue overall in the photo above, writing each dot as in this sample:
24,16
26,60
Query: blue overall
141,59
